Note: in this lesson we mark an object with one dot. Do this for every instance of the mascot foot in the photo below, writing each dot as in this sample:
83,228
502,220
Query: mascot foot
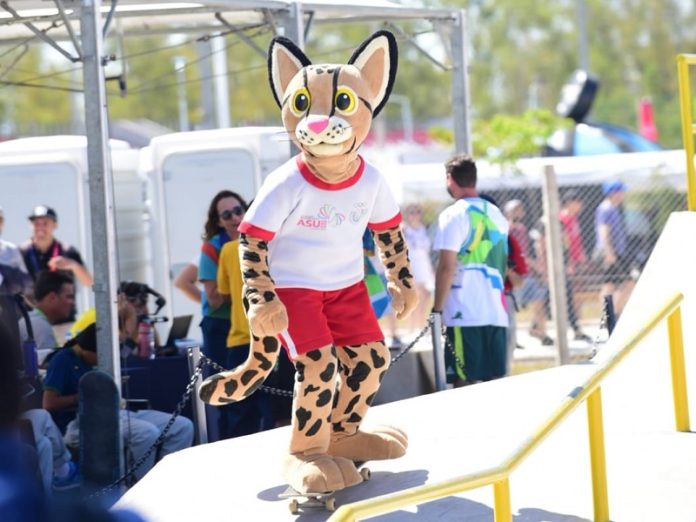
384,442
320,473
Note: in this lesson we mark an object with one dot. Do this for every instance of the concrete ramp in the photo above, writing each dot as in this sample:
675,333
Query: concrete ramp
651,468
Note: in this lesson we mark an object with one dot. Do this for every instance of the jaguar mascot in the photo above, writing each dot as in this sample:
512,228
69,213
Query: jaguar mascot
302,266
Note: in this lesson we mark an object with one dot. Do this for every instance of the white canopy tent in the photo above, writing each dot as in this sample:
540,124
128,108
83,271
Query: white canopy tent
80,27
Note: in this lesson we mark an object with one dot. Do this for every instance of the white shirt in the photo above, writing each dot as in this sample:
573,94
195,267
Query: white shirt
477,296
316,228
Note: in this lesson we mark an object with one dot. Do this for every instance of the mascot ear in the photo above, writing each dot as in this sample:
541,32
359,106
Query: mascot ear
285,59
377,59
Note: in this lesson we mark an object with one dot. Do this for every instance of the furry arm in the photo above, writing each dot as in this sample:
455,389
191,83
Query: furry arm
394,256
267,315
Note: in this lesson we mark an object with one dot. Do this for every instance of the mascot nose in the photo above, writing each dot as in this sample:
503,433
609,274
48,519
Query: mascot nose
317,123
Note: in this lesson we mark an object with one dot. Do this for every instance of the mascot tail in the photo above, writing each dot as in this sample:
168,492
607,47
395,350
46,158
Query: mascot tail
236,385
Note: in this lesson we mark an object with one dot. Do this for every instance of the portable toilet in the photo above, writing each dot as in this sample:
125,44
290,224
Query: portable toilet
52,170
185,170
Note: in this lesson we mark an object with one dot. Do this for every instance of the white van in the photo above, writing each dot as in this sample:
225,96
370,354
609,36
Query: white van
52,170
184,171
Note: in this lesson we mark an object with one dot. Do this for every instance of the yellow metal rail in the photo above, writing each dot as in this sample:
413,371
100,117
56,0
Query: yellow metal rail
498,476
688,130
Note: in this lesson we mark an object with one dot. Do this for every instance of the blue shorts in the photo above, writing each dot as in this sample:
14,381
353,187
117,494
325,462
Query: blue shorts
533,289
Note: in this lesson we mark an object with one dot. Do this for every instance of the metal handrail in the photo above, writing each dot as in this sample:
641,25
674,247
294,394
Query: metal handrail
683,62
498,475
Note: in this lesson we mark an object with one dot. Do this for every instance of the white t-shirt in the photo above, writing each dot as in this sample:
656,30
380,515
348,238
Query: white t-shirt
477,296
315,228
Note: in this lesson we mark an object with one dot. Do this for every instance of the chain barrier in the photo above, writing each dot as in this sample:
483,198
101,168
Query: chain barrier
206,361
129,474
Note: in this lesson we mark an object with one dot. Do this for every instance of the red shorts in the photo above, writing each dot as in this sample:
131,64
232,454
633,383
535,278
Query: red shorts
317,318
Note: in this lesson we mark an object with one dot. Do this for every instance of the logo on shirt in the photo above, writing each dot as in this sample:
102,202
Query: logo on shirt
327,217
359,211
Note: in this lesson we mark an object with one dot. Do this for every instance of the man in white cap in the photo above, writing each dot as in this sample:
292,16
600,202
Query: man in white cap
13,272
44,252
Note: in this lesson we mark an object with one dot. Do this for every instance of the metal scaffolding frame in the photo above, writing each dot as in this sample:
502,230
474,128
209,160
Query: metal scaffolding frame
22,20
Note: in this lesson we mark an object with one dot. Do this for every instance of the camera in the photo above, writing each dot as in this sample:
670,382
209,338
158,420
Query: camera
138,293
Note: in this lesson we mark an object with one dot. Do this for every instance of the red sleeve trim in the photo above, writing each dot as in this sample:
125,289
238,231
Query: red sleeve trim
209,250
312,179
517,256
252,230
391,223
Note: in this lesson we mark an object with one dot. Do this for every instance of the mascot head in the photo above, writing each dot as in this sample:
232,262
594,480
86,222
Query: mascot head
327,109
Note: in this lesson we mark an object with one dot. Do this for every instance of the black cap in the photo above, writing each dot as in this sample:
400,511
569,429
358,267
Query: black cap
87,339
43,211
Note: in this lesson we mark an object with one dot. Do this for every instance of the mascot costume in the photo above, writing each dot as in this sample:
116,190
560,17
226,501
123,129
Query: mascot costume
302,266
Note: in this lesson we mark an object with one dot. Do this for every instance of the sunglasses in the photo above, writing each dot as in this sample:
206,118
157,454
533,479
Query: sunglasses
234,211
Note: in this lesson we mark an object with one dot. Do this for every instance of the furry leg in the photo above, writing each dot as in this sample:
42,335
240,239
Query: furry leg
361,370
308,467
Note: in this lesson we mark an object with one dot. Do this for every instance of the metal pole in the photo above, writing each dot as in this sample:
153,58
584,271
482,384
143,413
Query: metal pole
460,84
101,197
598,461
554,261
438,353
293,24
220,83
180,66
199,417
683,62
101,201
676,356
207,88
583,55
501,499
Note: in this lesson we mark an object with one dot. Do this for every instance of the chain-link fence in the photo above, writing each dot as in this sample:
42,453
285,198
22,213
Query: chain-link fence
613,209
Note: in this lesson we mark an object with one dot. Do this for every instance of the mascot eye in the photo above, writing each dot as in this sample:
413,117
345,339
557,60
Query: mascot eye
345,100
300,101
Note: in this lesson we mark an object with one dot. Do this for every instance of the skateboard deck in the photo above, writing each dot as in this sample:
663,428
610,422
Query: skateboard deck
299,501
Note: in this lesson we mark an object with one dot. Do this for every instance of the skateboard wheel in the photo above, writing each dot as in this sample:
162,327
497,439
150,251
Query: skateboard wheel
330,504
294,506
365,473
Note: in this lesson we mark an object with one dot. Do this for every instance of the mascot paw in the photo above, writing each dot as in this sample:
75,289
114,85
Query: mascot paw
320,473
268,319
404,299
380,443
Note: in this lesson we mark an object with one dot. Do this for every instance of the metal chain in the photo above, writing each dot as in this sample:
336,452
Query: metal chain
160,439
418,337
206,361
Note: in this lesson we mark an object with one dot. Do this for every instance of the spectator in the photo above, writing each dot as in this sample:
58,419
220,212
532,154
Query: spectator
573,256
14,277
44,252
187,281
469,280
535,289
225,213
514,278
58,470
254,413
421,266
139,429
611,248
54,293
22,498
534,292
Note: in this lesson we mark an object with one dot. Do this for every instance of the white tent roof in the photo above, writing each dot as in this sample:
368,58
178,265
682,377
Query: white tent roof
137,17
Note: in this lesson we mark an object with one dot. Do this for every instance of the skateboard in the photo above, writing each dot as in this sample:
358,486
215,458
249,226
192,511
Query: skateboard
300,501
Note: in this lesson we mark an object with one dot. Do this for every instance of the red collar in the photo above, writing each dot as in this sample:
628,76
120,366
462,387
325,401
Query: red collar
312,179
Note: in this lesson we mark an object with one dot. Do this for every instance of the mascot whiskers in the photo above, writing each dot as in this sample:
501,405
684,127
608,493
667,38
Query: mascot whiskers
301,257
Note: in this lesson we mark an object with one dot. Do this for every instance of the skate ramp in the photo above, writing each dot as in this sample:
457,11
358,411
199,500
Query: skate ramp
459,432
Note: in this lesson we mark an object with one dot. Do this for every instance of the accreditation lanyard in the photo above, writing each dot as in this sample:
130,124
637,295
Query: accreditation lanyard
34,255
